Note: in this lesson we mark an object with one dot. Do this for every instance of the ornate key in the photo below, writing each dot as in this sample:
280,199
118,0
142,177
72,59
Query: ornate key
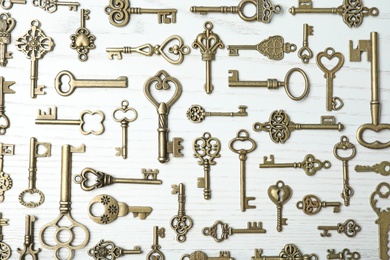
29,240
344,255
280,194
344,145
32,173
350,228
279,126
311,205
196,113
119,12
5,179
208,43
181,223
332,103
309,164
155,253
223,255
35,44
271,83
264,10
7,4
83,41
382,168
5,249
174,56
52,5
7,24
106,249
226,231
50,118
206,149
290,251
305,53
4,89
352,11
243,136
161,81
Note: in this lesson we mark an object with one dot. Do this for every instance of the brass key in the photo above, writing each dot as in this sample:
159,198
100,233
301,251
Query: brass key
4,89
7,25
382,168
52,5
7,4
290,251
272,83
196,113
280,194
311,205
352,12
83,41
5,251
305,53
29,240
156,253
223,255
350,228
119,12
5,179
346,254
106,249
181,223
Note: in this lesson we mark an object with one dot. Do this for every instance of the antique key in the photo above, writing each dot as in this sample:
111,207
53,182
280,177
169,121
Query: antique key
196,113
156,253
344,145
226,231
5,179
309,164
29,240
346,254
35,44
176,51
332,103
350,228
50,118
271,83
279,126
280,194
311,205
7,4
290,251
4,89
161,81
106,249
352,12
119,12
83,41
5,251
264,10
305,53
181,223
32,173
243,136
223,255
7,24
52,5
382,168
274,48
208,43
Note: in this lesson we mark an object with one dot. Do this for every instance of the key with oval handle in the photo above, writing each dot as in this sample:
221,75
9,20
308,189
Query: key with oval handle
7,25
346,254
350,228
311,205
29,240
279,194
382,168
181,223
106,249
223,255
4,89
290,251
5,179
83,41
52,5
305,53
196,113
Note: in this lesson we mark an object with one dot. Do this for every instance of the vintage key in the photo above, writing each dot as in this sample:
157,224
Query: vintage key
311,205
208,43
35,44
106,249
289,252
5,179
196,113
162,81
52,5
181,223
7,4
5,249
119,12
352,12
50,118
83,41
350,228
279,126
305,53
332,103
346,254
243,136
29,240
280,194
309,164
7,24
156,253
345,145
274,48
264,10
4,89
223,255
382,168
226,231
271,83
32,173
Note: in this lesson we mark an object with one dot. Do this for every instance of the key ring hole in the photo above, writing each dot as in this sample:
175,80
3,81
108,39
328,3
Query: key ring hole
327,164
374,11
97,209
208,25
35,23
300,205
287,84
187,256
280,184
63,253
125,104
245,7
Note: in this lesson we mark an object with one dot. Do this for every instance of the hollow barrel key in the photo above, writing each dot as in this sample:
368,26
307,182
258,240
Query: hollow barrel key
181,223
196,113
29,240
5,179
52,5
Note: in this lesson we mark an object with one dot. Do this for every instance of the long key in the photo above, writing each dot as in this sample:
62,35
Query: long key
181,223
305,53
350,228
106,249
50,118
29,240
196,113
52,5
35,44
223,255
8,24
280,194
4,89
7,4
346,254
5,179
332,103
352,12
382,168
280,127
156,253
311,205
83,41
122,151
290,251
5,251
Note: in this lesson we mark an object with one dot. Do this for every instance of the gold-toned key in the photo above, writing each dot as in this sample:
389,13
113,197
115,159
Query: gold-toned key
346,254
181,223
7,24
4,89
280,194
83,41
290,251
106,249
52,5
311,205
5,179
29,240
271,83
352,12
5,252
383,168
196,113
156,253
305,53
7,4
223,255
350,228
119,12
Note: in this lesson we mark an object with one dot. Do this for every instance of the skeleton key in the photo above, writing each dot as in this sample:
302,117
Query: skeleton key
5,179
243,136
7,4
181,223
83,41
155,253
272,83
199,255
52,5
196,113
226,231
311,205
35,44
280,194
350,228
7,24
208,43
344,255
29,240
305,53
50,118
5,249
106,249
4,89
382,168
279,126
290,251
32,173
309,164
352,12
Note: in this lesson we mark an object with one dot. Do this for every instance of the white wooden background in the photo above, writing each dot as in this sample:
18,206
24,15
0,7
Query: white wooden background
352,84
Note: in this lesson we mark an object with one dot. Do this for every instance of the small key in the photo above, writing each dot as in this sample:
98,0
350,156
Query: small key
181,223
305,53
52,5
7,25
279,126
4,89
346,254
5,251
29,240
122,151
50,118
280,194
272,83
155,253
199,255
309,164
5,179
114,209
311,205
106,249
382,168
7,4
196,113
226,231
350,228
289,252
83,41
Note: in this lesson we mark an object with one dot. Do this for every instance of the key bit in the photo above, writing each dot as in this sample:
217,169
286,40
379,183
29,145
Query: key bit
290,251
346,254
7,24
106,249
350,228
196,113
383,168
29,240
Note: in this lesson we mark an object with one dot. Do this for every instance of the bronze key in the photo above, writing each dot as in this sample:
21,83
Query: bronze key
350,228
305,53
279,194
181,223
289,252
311,205
108,250
382,168
83,41
7,24
156,253
4,89
29,240
344,255
7,4
5,251
5,179
223,255
196,113
52,5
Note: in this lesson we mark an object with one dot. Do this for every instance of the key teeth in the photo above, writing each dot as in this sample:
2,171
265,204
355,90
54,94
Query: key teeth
51,113
150,174
175,147
224,254
175,189
39,90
